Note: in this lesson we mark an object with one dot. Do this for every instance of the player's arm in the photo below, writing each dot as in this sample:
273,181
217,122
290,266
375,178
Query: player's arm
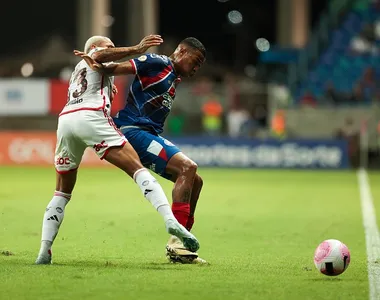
114,69
114,54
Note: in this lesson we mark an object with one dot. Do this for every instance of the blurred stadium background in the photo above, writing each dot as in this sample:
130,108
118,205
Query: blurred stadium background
286,83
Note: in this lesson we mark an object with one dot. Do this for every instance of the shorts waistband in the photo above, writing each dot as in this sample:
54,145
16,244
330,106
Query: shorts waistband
133,126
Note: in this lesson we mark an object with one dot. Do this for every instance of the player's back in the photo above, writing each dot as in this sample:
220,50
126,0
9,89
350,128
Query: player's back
151,94
88,89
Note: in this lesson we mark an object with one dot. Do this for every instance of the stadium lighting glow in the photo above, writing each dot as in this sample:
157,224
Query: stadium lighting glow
235,17
262,44
27,69
108,21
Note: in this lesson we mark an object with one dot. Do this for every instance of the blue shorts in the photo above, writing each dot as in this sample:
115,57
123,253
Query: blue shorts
154,151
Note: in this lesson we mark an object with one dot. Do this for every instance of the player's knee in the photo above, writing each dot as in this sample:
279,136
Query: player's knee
125,158
66,181
130,164
189,167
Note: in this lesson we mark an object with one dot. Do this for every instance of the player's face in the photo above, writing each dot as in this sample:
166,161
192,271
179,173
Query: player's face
191,62
106,44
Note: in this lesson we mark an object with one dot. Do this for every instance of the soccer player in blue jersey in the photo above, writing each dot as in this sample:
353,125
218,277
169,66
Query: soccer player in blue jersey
149,102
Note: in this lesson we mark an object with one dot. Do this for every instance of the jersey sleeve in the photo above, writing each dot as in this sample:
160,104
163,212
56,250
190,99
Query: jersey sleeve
148,63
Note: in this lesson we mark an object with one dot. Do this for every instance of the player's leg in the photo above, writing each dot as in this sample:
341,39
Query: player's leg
126,158
111,145
195,193
172,174
165,159
68,155
155,152
174,171
184,173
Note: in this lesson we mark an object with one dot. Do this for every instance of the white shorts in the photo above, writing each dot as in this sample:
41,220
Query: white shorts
81,129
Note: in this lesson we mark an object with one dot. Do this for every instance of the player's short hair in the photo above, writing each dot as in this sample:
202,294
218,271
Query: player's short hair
96,39
194,43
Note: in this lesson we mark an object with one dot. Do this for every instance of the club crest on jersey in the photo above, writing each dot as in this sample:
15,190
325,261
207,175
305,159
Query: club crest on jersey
142,58
168,142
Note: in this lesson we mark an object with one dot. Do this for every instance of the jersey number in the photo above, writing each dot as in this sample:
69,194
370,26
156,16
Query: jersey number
81,82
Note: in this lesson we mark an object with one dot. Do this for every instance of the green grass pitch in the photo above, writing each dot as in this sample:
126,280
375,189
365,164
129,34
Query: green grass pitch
258,229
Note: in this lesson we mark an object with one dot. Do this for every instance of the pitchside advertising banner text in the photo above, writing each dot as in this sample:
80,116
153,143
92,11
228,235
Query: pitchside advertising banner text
37,148
21,97
39,97
247,153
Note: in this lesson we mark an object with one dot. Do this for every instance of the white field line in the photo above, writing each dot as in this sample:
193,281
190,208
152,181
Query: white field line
372,235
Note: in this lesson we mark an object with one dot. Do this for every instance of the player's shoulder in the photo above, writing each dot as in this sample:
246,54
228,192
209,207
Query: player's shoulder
80,66
154,58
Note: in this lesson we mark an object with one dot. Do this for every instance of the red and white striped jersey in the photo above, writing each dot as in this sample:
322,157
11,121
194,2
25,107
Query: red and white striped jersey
88,89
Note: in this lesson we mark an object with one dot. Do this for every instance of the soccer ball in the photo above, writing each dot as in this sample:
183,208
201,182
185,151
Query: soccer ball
332,257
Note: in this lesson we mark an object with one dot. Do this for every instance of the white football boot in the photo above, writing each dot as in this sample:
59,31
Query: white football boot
176,252
189,241
44,258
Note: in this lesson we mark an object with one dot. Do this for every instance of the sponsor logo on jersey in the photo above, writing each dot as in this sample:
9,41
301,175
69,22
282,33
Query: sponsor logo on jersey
75,101
100,146
168,101
168,142
60,161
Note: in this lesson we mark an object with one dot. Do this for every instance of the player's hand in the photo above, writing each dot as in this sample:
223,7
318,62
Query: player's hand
113,93
149,41
94,65
114,90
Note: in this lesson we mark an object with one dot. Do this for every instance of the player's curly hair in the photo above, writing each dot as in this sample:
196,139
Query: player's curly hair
195,44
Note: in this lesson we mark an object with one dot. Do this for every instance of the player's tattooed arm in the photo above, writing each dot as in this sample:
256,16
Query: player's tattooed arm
114,54
123,68
93,64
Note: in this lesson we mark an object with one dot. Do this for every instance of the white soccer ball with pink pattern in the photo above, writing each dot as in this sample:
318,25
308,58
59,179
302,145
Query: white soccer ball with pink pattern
332,257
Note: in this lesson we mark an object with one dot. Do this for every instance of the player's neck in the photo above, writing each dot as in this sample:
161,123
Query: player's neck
172,60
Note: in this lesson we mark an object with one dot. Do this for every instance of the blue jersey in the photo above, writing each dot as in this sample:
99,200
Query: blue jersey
151,94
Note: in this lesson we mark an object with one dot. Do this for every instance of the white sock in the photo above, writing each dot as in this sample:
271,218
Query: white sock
53,218
154,193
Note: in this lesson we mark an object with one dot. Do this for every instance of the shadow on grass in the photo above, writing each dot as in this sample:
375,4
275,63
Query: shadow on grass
334,279
82,264
101,264
159,266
